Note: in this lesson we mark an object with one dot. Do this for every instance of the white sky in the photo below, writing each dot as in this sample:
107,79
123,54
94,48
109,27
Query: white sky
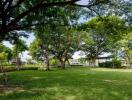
83,2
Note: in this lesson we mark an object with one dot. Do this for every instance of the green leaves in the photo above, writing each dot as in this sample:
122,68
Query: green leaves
19,47
5,52
101,34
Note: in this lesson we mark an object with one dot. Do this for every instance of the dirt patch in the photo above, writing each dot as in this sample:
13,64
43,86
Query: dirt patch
4,88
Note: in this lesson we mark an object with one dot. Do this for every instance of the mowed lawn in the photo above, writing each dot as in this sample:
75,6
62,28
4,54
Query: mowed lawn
70,84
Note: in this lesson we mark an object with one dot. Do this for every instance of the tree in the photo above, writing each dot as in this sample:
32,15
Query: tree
61,42
15,14
65,43
18,15
101,35
39,51
35,50
125,48
61,19
44,43
19,47
6,50
5,55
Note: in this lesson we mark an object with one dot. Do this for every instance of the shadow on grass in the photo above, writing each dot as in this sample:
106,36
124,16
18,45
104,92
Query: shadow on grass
66,85
20,94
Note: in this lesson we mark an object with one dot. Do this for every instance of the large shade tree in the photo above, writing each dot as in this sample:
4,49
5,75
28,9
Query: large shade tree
39,50
61,42
64,44
24,14
101,35
61,18
124,47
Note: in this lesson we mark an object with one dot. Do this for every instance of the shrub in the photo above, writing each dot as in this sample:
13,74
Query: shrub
76,65
111,64
54,62
29,68
10,69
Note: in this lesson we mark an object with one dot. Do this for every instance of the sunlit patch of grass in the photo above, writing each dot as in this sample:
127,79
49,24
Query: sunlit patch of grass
108,69
70,84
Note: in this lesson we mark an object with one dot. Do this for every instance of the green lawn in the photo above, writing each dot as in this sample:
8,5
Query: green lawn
70,84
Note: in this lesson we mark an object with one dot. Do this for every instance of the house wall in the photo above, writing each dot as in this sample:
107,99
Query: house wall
87,63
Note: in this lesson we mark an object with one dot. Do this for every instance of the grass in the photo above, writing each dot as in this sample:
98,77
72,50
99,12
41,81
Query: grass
70,84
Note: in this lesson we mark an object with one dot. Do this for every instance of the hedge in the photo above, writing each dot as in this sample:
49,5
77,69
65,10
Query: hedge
10,69
111,64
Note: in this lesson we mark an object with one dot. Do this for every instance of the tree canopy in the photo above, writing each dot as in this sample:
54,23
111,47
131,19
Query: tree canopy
102,35
16,15
5,52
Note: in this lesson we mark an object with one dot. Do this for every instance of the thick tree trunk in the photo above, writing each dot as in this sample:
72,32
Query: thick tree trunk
92,62
62,64
46,60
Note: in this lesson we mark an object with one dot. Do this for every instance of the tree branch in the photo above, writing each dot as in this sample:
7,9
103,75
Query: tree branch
38,6
21,27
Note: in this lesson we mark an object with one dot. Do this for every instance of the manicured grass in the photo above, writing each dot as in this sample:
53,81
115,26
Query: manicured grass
70,84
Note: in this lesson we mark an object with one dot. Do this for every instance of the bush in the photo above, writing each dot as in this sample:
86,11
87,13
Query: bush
29,68
76,65
54,62
111,64
10,69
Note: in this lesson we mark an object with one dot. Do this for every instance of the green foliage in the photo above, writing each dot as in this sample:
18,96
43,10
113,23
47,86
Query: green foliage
23,14
110,28
35,50
19,47
125,47
111,64
11,69
5,52
64,42
57,37
102,34
54,62
3,56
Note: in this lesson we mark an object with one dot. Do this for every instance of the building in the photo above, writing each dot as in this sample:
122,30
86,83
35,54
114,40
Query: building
85,62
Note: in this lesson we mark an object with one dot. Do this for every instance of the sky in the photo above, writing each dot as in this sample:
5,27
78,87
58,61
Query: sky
83,2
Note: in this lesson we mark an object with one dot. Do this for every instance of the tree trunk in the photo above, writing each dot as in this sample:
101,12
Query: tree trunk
46,60
47,63
4,76
98,63
62,64
129,60
17,59
18,63
68,62
92,62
